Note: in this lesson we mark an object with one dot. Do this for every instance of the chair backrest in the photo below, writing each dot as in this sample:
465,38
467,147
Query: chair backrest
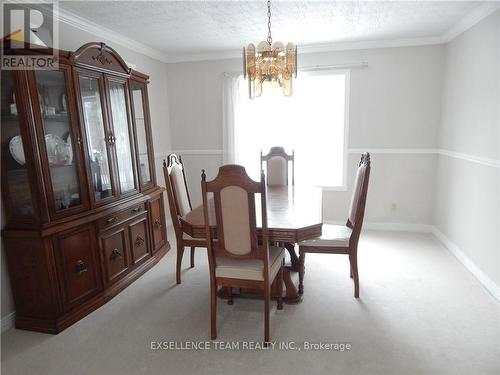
177,189
234,205
277,166
358,200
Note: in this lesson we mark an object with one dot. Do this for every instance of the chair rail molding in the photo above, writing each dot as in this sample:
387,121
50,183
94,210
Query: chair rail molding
374,151
472,158
429,151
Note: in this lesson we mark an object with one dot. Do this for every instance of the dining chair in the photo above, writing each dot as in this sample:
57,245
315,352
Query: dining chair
277,166
180,204
237,257
342,239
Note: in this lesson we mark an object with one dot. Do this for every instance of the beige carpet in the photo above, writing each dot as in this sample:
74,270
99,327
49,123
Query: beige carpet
420,312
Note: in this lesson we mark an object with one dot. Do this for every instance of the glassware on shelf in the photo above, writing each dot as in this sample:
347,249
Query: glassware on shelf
140,125
58,129
16,179
122,136
96,137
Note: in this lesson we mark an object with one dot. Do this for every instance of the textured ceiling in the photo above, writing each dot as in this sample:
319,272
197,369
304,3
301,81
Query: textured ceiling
194,27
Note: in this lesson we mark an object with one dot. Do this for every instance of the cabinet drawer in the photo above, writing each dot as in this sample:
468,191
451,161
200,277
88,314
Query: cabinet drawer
114,248
121,216
139,239
78,264
157,222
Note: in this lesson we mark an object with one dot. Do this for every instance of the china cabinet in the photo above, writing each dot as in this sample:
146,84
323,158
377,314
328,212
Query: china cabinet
83,214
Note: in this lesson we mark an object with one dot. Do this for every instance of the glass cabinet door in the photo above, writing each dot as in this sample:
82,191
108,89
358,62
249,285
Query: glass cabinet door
141,130
59,137
121,135
16,184
98,150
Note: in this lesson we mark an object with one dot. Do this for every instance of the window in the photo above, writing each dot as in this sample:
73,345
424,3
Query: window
313,123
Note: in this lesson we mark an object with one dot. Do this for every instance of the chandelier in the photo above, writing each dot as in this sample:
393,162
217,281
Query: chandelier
272,64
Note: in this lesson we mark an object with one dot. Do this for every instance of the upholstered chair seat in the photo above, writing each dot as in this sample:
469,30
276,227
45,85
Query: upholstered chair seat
332,236
342,239
250,269
238,255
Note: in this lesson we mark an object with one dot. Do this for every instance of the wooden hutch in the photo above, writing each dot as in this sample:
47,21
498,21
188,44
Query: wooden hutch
84,217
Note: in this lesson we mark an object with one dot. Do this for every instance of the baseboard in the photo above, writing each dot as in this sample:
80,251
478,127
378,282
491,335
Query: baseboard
484,279
399,227
393,227
8,321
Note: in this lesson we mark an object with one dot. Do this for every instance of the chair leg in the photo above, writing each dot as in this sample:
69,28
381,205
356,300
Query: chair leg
192,256
354,269
280,287
213,311
180,253
229,291
267,297
302,260
350,269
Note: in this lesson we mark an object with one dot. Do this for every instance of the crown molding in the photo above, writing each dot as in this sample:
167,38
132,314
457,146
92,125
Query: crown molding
86,25
205,56
316,48
477,15
369,44
464,24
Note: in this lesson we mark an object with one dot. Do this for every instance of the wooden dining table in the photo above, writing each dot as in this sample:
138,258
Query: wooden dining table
294,213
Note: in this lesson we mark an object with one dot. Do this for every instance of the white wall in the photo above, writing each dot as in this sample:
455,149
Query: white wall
71,39
467,207
419,98
394,104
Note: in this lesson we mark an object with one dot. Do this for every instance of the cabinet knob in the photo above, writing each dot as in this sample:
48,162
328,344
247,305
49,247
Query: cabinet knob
79,141
136,210
111,139
80,267
139,241
115,253
158,223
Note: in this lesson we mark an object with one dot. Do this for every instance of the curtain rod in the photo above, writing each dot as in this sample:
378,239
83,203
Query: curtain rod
313,68
360,65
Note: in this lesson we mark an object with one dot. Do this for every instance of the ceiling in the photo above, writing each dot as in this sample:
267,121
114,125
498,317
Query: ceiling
184,28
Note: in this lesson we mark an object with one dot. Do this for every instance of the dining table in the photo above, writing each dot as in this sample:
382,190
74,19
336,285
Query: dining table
294,214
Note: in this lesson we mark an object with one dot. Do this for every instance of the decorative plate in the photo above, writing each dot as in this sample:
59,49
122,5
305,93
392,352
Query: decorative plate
16,149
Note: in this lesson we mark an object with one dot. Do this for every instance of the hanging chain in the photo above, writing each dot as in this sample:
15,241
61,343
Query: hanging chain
269,37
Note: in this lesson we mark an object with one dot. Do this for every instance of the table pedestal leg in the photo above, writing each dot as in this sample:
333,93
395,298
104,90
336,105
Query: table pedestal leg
293,256
292,296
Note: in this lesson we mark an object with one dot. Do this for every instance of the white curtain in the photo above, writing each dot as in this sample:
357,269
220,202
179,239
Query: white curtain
230,103
312,122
